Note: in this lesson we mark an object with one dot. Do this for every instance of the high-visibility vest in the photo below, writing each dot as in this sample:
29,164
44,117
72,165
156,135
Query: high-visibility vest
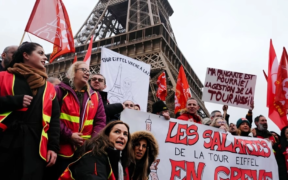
70,116
67,174
7,81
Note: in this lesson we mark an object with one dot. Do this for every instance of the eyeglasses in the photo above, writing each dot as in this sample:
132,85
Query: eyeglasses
221,122
99,79
86,71
127,105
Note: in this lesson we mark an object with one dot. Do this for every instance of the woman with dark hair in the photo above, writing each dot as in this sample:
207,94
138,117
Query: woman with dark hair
104,157
281,154
146,150
29,116
82,114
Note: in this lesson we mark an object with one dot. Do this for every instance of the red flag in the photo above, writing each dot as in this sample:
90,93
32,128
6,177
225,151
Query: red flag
162,87
182,93
282,81
87,58
75,59
280,119
49,20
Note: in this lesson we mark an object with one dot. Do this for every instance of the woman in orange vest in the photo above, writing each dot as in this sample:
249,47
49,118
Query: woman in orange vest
106,156
82,114
29,116
190,113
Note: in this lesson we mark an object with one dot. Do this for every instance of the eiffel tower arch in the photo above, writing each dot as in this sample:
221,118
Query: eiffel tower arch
141,30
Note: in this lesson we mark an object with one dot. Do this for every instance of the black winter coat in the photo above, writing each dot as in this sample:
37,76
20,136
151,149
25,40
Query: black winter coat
24,128
96,167
112,111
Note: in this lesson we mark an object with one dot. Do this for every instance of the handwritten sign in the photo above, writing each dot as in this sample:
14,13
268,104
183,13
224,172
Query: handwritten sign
229,88
195,151
126,78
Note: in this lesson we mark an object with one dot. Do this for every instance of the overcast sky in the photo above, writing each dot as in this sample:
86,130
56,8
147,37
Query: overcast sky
230,35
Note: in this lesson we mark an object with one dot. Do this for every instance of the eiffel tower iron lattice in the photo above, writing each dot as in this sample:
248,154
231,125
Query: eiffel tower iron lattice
141,30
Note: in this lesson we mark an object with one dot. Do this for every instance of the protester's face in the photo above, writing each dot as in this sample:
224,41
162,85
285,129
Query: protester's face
36,59
82,74
232,128
220,122
192,106
129,104
136,108
286,133
262,124
97,82
119,136
217,114
140,149
7,56
244,127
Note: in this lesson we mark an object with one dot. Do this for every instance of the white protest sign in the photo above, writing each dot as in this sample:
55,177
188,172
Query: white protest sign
126,78
195,151
229,88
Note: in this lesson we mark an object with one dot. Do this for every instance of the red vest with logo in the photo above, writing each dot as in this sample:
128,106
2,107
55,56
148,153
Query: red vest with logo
70,116
67,174
7,81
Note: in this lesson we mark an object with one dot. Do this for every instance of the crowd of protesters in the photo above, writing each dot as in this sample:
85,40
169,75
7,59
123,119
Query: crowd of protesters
52,129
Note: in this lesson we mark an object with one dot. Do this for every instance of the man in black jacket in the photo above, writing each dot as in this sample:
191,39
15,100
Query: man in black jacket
7,56
98,83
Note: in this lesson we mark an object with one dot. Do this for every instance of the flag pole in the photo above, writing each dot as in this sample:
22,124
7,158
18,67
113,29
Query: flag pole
22,38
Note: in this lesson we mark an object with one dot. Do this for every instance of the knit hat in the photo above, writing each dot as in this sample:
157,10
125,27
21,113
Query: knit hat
207,121
242,120
159,106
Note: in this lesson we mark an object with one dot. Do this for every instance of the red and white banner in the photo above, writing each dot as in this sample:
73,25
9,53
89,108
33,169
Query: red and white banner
194,151
229,88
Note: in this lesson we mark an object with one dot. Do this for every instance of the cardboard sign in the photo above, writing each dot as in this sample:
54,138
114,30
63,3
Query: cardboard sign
229,88
126,78
195,151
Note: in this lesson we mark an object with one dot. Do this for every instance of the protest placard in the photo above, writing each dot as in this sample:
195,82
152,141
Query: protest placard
229,88
126,78
195,151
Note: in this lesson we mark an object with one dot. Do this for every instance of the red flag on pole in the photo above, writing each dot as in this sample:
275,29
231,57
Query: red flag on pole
162,87
49,20
75,59
276,113
281,95
182,93
87,58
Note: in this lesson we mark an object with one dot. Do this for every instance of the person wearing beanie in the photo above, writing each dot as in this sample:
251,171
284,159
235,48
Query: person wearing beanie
160,108
243,126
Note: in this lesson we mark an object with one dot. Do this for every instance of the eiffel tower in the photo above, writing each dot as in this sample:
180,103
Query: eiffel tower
141,30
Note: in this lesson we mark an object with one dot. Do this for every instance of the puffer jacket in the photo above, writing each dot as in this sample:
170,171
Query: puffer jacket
135,169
